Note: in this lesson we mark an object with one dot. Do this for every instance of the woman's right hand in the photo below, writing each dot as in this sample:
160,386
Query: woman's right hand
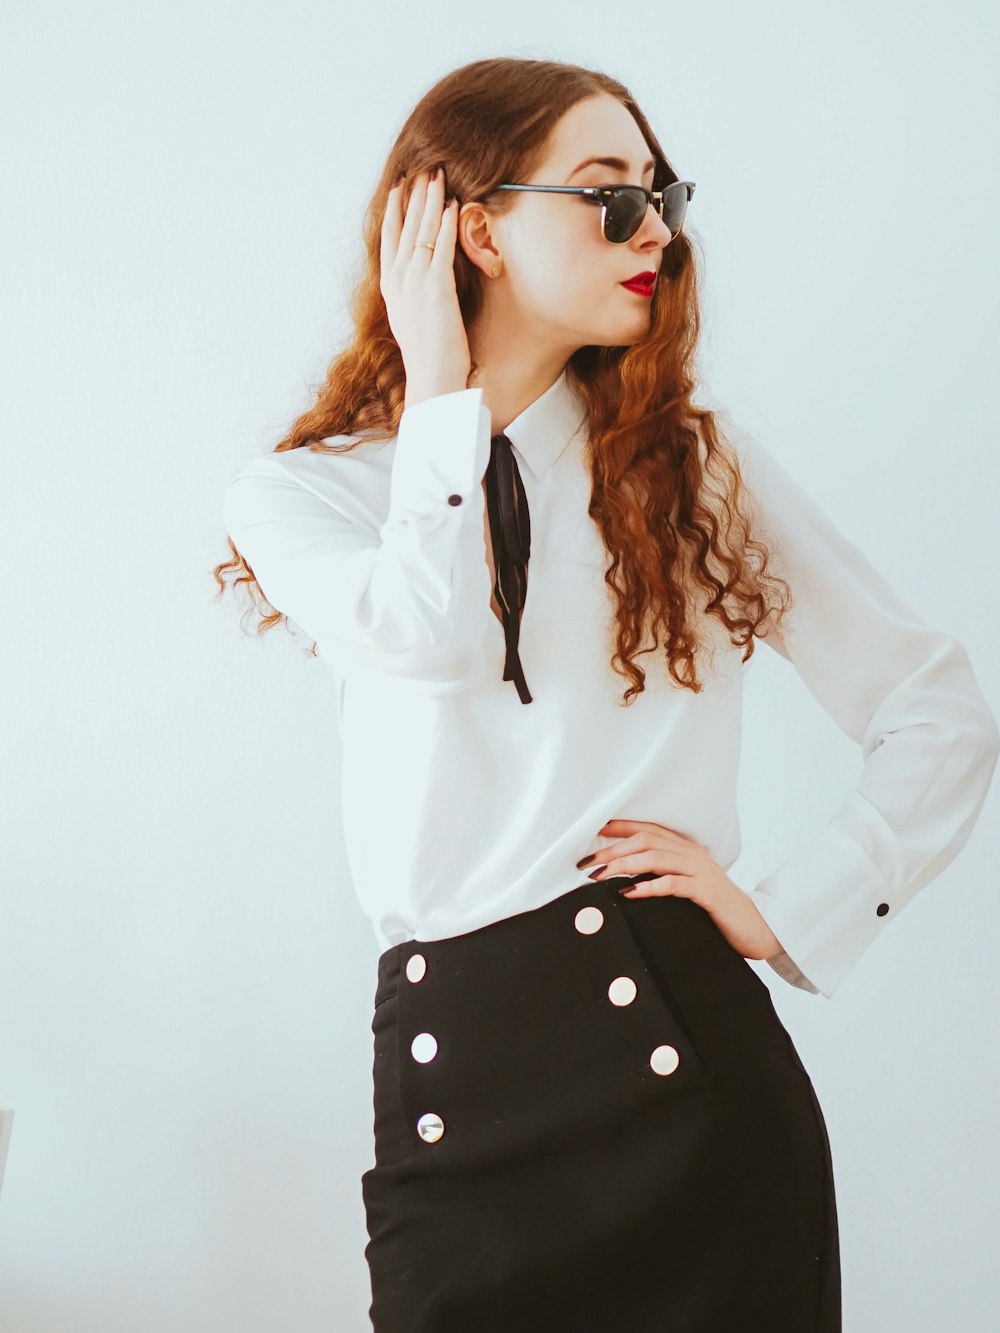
418,287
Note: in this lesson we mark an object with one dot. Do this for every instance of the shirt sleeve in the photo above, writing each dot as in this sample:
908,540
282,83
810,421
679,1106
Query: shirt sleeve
906,692
411,599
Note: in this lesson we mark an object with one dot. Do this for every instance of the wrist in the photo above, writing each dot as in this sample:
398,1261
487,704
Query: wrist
772,945
419,393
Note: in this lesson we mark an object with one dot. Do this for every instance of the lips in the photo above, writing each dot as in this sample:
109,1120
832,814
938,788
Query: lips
642,283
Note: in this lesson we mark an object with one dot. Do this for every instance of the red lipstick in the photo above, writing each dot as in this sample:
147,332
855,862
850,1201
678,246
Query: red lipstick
642,283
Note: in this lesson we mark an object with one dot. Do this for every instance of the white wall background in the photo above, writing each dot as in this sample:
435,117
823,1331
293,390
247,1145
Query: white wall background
186,979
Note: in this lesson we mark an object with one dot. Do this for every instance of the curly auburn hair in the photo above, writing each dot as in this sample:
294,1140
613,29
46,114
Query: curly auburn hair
680,548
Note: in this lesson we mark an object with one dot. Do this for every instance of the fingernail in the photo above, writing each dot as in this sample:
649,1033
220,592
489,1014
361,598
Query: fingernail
595,873
586,861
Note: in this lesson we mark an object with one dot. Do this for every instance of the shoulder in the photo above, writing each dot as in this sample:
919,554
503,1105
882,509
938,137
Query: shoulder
736,440
764,482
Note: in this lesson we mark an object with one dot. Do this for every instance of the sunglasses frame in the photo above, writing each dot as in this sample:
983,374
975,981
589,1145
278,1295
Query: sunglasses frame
604,193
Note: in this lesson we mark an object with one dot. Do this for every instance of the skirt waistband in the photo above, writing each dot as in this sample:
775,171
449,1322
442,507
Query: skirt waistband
507,932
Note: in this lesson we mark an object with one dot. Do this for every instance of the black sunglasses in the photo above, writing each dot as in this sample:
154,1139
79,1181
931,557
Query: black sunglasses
623,207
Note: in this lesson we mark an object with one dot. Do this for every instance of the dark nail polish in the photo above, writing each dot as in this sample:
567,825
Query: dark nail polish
586,861
595,873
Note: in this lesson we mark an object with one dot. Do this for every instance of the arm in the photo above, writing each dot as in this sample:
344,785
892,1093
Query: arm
411,600
907,694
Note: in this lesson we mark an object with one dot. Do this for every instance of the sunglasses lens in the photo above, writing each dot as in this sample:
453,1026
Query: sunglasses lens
628,207
625,213
675,202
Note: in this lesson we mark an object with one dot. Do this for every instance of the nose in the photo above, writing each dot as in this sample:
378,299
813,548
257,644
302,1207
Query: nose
654,228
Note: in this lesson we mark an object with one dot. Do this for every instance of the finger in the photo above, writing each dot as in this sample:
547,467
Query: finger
659,841
673,861
622,826
444,254
625,826
391,224
430,222
414,216
664,886
620,847
435,194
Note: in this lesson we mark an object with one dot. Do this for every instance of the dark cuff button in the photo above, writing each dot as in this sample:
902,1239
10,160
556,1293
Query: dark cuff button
454,499
882,909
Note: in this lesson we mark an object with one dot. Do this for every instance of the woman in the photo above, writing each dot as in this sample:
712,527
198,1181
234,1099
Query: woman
588,1115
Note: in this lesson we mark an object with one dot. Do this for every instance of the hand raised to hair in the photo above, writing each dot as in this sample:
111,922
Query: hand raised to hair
418,287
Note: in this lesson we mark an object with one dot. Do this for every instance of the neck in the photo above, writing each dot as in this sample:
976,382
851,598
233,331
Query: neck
512,383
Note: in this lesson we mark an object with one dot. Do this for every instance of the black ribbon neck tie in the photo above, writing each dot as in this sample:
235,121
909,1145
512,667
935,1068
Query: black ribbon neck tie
510,534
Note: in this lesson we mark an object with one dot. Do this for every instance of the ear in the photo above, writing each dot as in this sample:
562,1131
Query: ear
475,235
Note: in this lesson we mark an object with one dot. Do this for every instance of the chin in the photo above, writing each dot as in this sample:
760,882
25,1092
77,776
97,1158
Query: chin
624,337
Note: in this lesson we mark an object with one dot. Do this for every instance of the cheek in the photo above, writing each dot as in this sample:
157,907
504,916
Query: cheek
562,255
573,263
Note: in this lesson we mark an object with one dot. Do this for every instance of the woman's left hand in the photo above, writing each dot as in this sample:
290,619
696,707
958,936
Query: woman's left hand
686,870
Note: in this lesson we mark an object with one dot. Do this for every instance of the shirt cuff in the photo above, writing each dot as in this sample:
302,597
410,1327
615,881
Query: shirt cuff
442,452
825,904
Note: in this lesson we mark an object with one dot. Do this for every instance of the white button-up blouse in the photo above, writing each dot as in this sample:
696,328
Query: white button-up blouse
463,805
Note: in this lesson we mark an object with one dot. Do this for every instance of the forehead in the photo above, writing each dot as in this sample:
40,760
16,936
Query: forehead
596,127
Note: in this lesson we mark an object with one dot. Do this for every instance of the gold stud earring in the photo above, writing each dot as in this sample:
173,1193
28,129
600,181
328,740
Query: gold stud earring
496,269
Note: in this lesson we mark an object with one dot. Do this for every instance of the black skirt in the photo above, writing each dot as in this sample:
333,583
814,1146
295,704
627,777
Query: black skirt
590,1119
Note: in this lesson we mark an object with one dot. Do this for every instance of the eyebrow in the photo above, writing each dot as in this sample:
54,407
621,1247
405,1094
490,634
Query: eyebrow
619,164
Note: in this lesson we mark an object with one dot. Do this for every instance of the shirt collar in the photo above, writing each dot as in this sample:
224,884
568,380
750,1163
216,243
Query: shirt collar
542,431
